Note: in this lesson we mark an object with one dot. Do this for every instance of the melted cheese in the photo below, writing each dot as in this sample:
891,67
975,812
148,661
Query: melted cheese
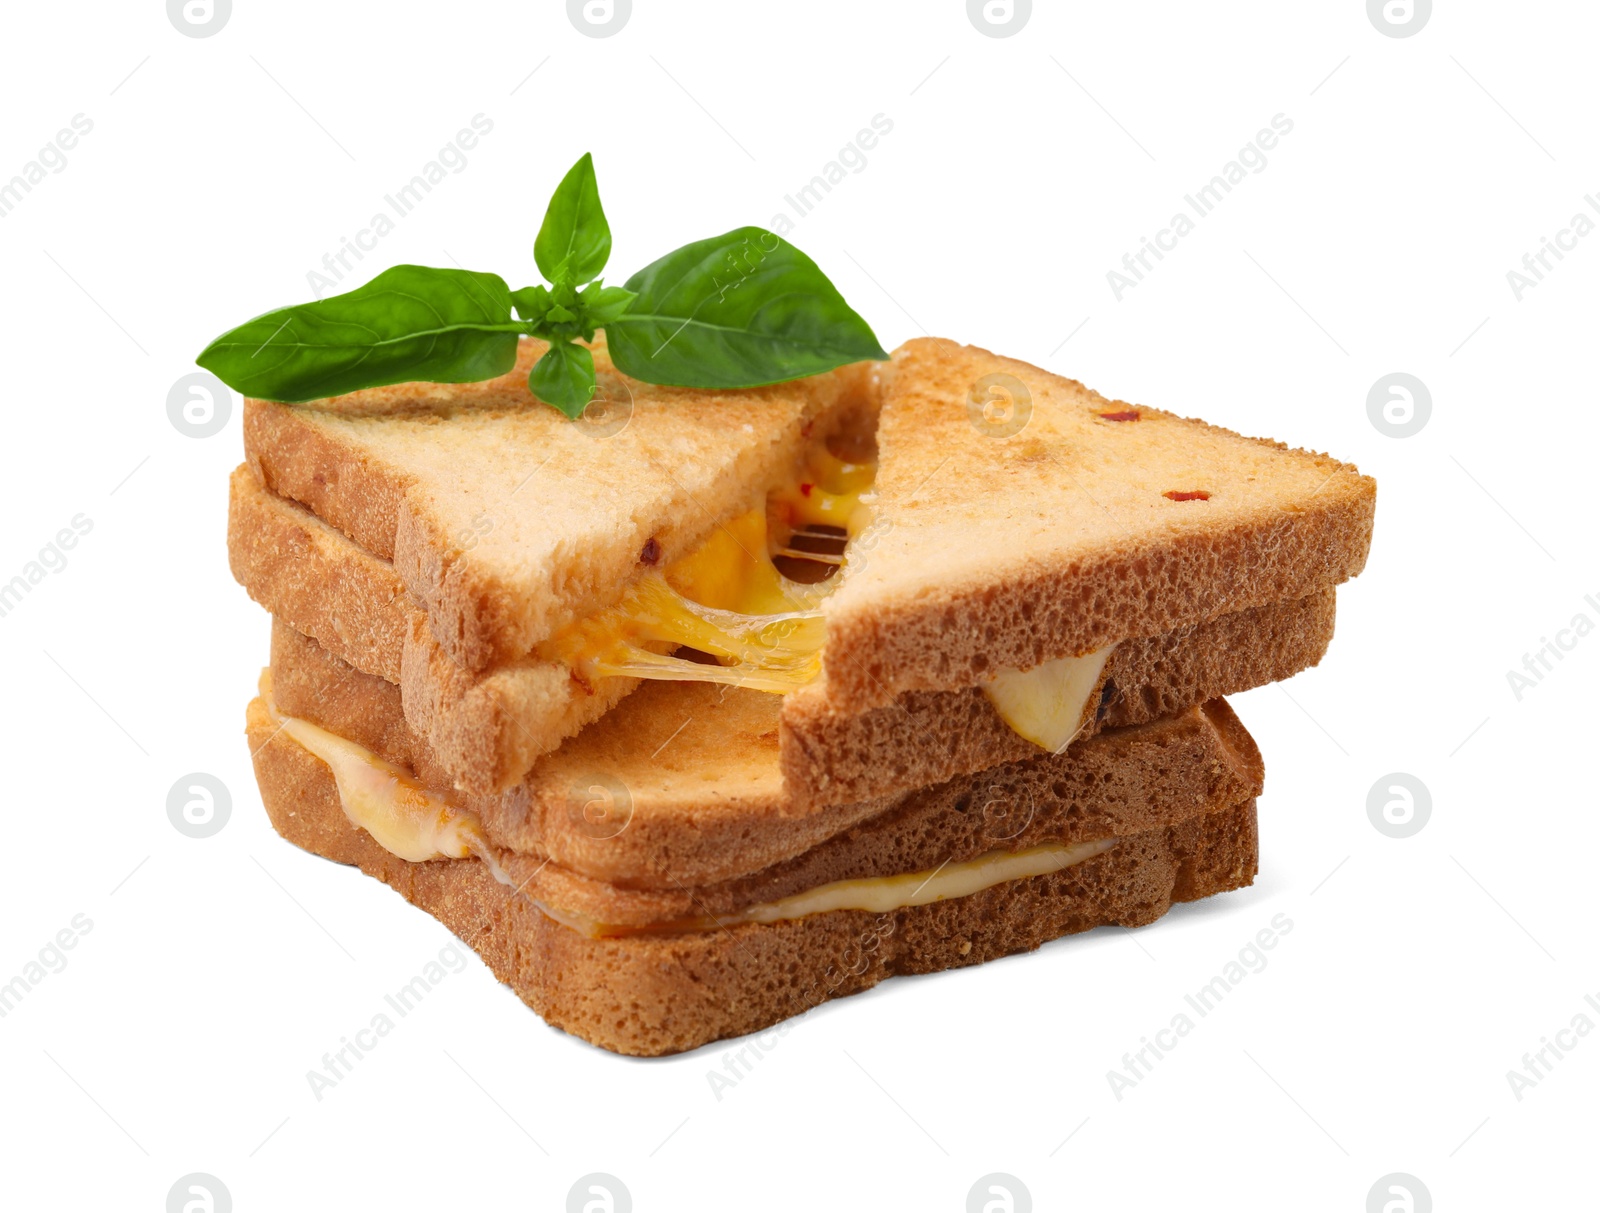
727,598
881,894
417,824
1048,704
404,817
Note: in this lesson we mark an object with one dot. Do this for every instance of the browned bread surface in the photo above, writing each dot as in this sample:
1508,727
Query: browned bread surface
708,807
832,754
1095,522
316,580
507,520
654,994
485,730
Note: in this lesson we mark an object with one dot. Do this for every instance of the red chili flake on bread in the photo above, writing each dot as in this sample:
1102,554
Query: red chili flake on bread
1121,415
652,552
1196,495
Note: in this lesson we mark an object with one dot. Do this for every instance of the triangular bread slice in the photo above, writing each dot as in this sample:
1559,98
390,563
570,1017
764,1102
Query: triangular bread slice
645,953
506,520
316,581
1020,518
694,800
653,994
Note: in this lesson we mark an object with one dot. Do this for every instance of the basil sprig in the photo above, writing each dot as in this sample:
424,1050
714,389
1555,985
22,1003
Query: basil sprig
737,310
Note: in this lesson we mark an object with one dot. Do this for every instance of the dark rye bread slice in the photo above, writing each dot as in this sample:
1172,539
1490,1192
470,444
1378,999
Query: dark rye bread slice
1095,521
297,566
703,805
649,995
505,519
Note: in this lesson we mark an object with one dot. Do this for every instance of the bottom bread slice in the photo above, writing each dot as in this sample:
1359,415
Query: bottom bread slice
654,994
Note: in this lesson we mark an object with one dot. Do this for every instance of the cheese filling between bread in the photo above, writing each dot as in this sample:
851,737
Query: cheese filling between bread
729,599
418,824
1049,704
883,894
403,816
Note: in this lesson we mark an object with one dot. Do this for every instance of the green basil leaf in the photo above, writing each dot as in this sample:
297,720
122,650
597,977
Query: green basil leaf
738,310
604,304
410,322
574,242
564,378
532,302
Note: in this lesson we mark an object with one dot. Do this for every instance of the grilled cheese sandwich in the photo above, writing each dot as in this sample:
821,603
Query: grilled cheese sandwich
731,600
418,824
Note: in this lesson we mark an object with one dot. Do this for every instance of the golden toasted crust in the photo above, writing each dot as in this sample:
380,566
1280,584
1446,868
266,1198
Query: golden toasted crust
505,519
993,550
707,808
655,994
486,730
315,579
832,754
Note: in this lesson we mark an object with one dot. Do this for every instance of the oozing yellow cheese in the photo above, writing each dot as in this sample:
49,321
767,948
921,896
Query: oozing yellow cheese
404,817
881,894
1048,704
418,824
829,494
727,598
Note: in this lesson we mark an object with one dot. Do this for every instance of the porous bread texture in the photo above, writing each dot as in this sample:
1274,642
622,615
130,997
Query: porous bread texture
831,754
312,576
705,806
506,520
476,729
1002,552
651,995
485,729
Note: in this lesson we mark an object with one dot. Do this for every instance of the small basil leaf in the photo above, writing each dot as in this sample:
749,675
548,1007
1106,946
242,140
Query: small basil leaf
738,310
604,304
574,241
410,322
564,378
531,302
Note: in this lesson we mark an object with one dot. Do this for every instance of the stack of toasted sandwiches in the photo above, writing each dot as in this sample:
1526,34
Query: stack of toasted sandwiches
711,706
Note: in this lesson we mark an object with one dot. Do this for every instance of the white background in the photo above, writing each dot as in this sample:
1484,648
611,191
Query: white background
1019,171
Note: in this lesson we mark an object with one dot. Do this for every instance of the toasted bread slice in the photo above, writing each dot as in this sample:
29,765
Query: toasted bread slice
299,568
506,520
487,728
831,754
703,804
667,990
1063,523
